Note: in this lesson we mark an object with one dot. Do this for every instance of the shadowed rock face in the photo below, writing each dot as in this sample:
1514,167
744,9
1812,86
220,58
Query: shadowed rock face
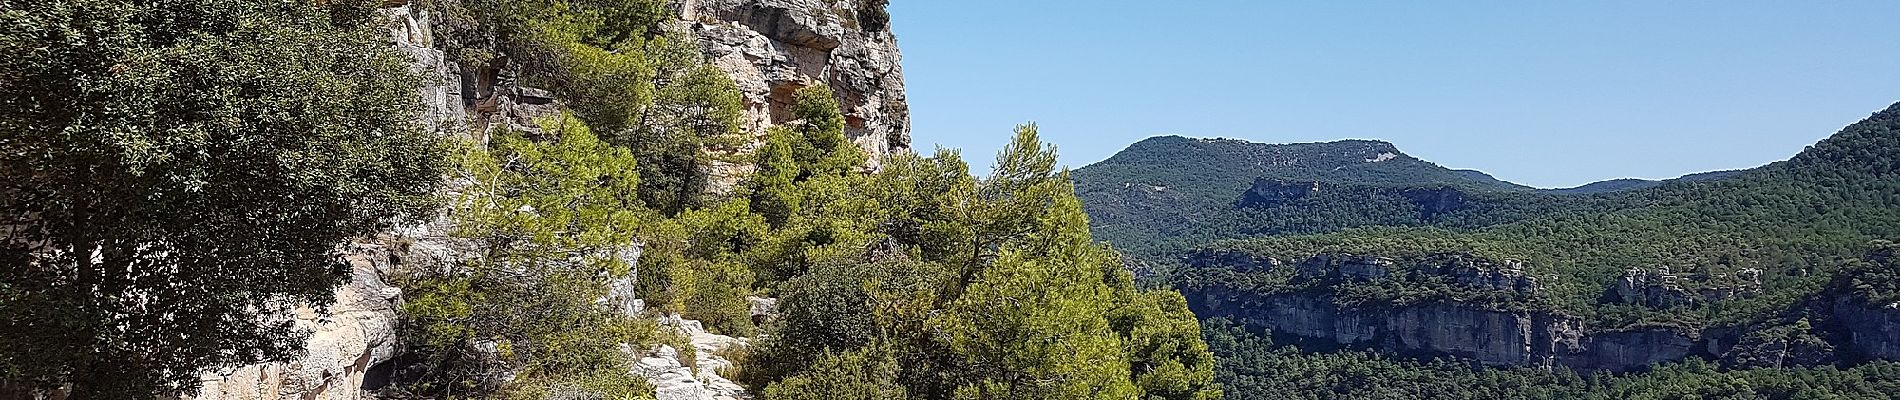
346,341
1873,330
1447,329
1476,332
1303,309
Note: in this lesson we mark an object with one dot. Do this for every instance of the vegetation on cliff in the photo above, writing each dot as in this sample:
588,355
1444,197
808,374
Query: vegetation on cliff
178,174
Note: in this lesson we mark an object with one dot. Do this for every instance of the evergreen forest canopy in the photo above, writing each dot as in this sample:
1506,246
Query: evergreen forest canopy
178,174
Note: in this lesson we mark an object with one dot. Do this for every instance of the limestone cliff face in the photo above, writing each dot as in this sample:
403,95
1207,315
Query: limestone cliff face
1300,306
771,48
347,340
1434,328
1448,329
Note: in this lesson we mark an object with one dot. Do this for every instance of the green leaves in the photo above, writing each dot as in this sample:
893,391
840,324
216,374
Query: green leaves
166,167
990,289
558,218
866,374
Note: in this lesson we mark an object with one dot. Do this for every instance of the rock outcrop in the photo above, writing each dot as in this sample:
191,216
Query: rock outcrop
1308,312
695,378
1872,329
347,340
1490,337
771,48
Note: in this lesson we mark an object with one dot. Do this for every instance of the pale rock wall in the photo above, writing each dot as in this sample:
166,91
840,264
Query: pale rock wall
771,48
353,335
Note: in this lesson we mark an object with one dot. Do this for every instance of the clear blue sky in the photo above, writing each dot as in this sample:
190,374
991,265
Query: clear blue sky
1544,93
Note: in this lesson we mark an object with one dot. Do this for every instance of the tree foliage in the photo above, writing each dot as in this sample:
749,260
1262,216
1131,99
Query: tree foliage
556,220
1765,251
172,173
979,288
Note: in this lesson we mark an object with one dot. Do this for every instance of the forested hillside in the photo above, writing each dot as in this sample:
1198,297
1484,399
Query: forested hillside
1764,268
1172,192
1794,223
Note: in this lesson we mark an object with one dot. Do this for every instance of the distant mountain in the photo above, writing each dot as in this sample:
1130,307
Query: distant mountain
1617,185
1170,189
1167,194
1223,168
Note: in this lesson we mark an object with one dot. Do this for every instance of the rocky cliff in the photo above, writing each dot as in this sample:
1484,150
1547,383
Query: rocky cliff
1306,310
348,340
1322,302
769,47
1435,329
1871,329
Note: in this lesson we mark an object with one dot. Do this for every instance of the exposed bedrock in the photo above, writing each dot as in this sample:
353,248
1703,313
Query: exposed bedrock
1487,336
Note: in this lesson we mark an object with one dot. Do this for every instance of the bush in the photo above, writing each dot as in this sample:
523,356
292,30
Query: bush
554,217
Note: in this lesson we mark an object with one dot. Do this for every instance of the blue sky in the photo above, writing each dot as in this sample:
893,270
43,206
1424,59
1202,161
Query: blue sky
1544,93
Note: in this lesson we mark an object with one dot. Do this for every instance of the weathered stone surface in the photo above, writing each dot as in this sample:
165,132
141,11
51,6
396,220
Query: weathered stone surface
674,379
1791,345
1627,350
622,293
763,309
1468,270
355,334
671,379
1659,289
771,48
442,88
